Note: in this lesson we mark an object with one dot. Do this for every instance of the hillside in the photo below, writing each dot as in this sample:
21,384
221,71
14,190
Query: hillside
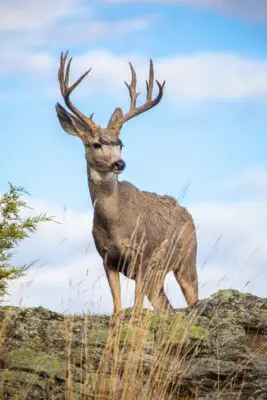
216,351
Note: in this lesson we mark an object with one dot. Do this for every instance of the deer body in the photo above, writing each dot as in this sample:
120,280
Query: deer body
149,216
139,234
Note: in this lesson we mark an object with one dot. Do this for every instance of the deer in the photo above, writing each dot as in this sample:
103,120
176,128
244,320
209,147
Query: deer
139,234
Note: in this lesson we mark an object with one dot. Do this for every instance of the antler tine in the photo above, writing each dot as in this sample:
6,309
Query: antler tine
149,86
132,88
150,102
63,77
67,75
61,72
76,83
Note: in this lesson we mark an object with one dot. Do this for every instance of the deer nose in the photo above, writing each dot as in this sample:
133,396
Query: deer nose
119,165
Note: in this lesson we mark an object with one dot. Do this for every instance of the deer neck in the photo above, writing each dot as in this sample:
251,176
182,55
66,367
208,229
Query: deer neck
104,193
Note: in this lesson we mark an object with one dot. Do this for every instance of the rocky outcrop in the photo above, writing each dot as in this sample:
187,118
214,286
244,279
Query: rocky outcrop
218,350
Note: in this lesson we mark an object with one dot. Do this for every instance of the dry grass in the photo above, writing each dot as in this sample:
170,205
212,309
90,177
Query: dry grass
143,355
133,366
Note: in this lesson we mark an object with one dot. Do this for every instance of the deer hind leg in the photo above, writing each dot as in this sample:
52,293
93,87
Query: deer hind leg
186,276
139,290
156,294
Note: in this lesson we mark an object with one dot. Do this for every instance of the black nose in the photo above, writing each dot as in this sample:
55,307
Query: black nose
119,165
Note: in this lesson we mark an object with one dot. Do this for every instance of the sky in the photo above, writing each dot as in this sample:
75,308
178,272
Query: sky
205,144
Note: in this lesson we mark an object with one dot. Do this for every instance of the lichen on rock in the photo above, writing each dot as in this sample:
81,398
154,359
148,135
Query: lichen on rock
217,350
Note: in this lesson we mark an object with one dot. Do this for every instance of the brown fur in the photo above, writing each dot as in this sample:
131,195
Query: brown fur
137,233
166,228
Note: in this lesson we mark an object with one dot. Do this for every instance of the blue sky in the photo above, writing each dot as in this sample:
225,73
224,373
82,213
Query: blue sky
209,131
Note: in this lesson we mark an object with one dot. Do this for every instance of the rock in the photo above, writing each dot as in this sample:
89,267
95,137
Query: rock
218,350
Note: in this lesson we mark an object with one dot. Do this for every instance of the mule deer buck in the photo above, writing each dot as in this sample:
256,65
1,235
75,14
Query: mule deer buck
139,234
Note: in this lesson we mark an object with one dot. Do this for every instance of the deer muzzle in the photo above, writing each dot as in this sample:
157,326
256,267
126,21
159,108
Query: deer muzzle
118,166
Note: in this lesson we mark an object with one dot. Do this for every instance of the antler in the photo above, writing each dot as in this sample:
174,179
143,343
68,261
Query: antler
66,90
134,111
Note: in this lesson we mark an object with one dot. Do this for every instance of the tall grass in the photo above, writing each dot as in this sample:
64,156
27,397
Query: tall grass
144,357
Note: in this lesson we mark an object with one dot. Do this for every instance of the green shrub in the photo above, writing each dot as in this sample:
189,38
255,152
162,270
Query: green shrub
14,228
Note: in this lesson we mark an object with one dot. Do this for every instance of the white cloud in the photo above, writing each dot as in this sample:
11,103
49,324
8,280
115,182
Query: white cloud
253,182
69,274
215,76
87,32
252,10
32,31
30,15
29,23
195,77
28,27
199,76
15,62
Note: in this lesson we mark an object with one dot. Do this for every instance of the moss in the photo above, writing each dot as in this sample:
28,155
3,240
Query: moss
14,377
86,387
38,362
98,336
143,313
125,333
162,321
226,293
263,315
21,384
131,326
9,308
185,336
130,332
198,333
177,330
230,316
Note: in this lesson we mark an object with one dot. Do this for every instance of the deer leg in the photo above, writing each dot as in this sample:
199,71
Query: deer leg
113,277
139,290
157,297
186,276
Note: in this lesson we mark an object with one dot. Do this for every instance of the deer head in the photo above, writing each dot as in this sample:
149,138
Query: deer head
103,145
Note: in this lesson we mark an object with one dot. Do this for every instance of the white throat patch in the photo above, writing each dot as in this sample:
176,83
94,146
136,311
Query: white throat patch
97,176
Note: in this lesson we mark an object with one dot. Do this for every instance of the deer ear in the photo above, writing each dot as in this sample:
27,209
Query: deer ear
69,122
114,117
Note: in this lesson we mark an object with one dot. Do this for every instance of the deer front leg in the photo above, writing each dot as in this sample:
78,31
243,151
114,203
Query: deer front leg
113,277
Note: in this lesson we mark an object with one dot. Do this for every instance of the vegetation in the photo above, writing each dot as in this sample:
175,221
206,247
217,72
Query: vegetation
14,228
213,351
192,354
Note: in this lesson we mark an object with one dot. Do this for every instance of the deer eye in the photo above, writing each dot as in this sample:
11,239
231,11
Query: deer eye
97,146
